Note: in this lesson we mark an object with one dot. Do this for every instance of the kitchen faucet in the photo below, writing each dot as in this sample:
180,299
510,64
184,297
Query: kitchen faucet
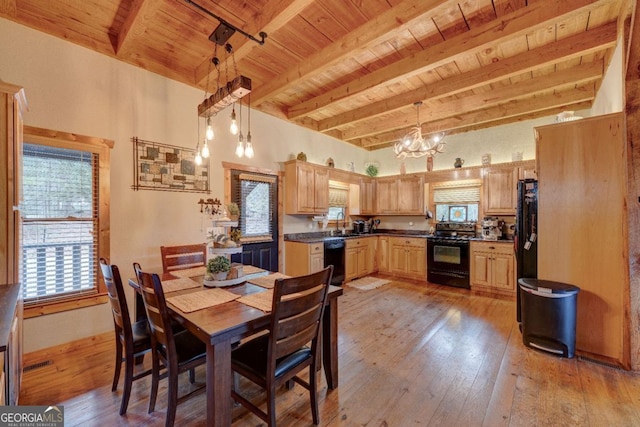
338,221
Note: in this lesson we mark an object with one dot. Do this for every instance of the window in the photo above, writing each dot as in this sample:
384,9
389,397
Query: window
257,198
65,218
338,201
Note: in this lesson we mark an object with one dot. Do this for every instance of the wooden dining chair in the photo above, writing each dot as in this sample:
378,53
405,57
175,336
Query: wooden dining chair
132,340
177,352
184,256
290,346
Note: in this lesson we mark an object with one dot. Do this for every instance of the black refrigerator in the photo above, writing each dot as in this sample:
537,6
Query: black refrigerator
526,238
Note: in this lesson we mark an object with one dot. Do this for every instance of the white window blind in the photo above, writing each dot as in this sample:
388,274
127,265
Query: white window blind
60,222
462,195
338,195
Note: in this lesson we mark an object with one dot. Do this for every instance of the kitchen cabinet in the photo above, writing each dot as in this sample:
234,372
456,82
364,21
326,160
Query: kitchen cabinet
359,257
403,195
408,257
306,188
492,267
382,254
582,187
500,185
367,196
303,258
12,107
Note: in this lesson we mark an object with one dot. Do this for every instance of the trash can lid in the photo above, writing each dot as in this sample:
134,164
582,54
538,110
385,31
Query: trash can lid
548,286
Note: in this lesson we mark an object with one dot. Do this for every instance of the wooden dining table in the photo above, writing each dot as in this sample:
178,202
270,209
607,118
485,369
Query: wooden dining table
222,325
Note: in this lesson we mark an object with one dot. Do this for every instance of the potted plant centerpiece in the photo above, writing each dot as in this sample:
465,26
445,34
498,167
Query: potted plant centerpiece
218,267
233,211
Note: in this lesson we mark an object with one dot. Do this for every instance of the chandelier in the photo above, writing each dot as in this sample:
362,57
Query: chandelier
414,144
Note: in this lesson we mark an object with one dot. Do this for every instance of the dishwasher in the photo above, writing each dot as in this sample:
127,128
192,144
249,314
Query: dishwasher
334,255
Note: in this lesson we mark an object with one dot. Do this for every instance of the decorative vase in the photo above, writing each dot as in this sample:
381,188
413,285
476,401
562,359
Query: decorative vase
222,275
458,163
429,163
301,156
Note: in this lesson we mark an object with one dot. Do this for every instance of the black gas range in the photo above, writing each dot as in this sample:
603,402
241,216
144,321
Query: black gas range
448,254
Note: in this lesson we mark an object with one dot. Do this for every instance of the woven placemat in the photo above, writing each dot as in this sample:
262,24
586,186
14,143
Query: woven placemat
201,299
250,269
189,272
268,281
260,300
179,284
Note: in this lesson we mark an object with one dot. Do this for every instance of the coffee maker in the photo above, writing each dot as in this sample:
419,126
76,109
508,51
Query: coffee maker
492,228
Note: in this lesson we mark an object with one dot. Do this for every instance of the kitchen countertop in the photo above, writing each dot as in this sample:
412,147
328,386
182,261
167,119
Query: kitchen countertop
316,237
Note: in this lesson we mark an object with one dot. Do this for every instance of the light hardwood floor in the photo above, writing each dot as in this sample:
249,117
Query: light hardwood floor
409,354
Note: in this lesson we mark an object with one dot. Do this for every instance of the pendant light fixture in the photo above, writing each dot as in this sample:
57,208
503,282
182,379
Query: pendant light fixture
233,128
248,150
240,146
416,145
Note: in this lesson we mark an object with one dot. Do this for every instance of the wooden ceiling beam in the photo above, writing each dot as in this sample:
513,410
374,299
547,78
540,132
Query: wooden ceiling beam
511,109
521,22
569,77
569,48
275,15
375,31
139,18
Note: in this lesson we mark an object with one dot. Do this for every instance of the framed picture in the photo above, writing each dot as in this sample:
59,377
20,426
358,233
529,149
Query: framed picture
457,213
164,167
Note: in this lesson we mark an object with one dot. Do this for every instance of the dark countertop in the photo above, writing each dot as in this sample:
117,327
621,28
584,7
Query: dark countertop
315,237
9,296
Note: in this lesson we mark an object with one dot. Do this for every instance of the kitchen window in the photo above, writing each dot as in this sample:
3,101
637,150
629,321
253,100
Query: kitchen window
65,224
338,201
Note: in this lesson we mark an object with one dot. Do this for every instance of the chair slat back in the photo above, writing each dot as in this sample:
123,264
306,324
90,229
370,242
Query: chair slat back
298,305
115,290
156,308
184,256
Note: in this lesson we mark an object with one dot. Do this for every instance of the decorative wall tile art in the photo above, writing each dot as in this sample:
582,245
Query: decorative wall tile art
166,167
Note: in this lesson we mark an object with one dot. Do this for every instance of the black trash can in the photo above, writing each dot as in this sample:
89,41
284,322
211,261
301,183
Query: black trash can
548,311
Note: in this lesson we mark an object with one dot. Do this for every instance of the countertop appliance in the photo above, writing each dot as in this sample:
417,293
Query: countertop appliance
526,235
448,254
492,228
358,226
334,255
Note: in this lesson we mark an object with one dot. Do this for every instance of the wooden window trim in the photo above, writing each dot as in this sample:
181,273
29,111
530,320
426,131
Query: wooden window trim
102,147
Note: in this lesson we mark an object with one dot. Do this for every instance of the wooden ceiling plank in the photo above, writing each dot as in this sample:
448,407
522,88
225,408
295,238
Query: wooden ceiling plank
516,108
139,18
275,15
376,31
561,79
540,14
8,8
572,47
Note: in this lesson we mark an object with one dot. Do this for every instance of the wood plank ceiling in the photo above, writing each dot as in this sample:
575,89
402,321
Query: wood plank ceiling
353,69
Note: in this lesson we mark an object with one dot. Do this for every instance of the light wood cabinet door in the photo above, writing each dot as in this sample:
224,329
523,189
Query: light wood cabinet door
383,254
411,195
398,258
359,257
500,191
408,257
583,235
492,267
303,258
306,188
387,196
350,263
417,261
367,196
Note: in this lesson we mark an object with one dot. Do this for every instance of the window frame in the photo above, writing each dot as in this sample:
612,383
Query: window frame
101,147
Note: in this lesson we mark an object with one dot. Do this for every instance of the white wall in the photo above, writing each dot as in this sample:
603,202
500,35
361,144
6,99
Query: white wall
72,89
611,96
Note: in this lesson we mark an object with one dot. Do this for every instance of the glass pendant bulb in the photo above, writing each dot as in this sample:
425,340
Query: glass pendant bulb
205,150
248,151
234,125
209,134
240,148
